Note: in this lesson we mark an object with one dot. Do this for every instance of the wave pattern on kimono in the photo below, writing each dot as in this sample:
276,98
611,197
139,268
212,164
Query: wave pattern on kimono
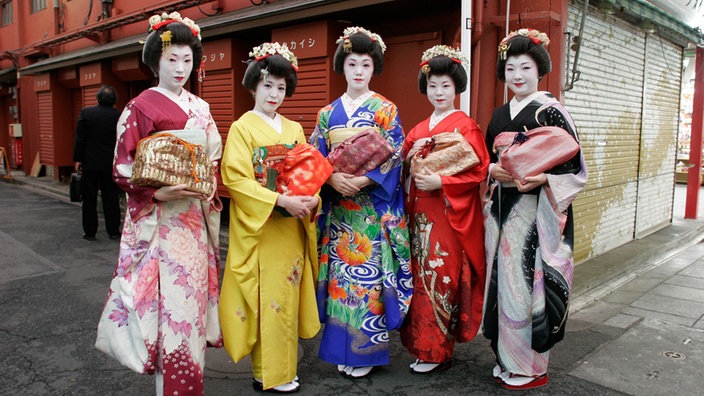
364,283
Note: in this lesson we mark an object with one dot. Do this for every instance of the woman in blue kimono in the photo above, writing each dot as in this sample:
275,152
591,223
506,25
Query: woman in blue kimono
364,283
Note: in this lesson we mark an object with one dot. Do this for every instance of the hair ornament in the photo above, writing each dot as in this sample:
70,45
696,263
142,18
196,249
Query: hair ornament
345,38
156,22
442,50
536,36
264,74
165,41
267,49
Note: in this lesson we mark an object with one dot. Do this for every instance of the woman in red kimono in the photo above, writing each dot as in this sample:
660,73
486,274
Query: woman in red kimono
447,249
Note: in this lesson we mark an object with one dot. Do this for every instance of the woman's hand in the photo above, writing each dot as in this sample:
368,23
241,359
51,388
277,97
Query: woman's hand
344,183
416,146
429,182
531,182
500,174
298,206
171,193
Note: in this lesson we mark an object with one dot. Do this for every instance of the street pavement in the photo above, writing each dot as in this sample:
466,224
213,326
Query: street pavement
636,324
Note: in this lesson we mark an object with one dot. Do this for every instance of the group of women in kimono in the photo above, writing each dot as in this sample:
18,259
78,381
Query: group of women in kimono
362,256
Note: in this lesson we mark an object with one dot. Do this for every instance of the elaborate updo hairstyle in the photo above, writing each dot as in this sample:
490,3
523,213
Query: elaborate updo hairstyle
530,42
271,59
359,40
442,60
180,34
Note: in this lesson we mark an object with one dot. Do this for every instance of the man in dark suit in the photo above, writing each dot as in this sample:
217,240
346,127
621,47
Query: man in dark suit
93,153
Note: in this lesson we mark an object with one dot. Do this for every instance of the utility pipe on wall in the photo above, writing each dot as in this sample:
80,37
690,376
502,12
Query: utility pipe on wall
466,40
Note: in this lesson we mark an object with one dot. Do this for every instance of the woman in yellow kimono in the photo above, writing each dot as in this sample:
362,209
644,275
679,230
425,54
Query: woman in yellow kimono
268,291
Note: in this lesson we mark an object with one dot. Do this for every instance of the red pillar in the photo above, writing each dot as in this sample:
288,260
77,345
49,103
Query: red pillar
695,144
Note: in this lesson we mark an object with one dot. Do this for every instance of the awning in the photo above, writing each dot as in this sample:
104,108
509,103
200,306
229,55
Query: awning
8,76
86,55
247,18
639,11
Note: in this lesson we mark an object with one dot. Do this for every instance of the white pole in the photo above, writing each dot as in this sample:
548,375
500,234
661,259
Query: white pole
466,40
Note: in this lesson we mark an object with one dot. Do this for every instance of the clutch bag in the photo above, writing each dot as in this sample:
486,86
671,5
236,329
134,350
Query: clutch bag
445,154
534,151
361,153
291,169
166,160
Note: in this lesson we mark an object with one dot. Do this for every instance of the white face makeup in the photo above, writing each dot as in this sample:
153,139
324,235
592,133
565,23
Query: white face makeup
358,69
521,74
175,66
269,95
441,93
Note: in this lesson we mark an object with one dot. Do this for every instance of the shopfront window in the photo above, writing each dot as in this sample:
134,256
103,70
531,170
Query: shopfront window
6,11
38,5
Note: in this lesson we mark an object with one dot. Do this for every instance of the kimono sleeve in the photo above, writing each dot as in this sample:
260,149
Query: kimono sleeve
132,126
456,187
388,175
254,202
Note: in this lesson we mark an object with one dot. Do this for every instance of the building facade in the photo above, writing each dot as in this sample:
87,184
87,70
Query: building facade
616,65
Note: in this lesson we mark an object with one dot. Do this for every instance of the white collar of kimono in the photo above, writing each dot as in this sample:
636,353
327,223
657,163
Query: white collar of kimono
517,106
181,100
351,105
436,118
273,122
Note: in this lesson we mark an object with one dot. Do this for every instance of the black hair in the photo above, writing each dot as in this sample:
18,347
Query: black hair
443,65
106,96
361,44
180,35
519,45
276,65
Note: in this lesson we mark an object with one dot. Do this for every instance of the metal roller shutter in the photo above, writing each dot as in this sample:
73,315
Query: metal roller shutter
658,146
45,123
217,90
606,104
311,93
89,93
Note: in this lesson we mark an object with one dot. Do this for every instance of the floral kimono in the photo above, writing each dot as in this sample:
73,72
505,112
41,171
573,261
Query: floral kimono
447,234
162,308
364,283
529,247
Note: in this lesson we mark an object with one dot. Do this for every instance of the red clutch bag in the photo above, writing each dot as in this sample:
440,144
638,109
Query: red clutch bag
291,169
361,153
535,151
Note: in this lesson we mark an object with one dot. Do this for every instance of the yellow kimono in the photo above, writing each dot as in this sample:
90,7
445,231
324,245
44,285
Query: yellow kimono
267,299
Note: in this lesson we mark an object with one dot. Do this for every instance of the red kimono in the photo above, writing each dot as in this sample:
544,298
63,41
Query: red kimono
447,250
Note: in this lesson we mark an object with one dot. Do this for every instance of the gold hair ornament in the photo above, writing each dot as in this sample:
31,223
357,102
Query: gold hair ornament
536,36
442,50
345,38
267,49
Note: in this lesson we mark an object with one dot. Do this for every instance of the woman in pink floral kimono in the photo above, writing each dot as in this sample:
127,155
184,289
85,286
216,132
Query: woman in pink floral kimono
161,311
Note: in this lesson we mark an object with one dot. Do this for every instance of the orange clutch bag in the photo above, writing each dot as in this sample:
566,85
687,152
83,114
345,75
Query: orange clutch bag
291,169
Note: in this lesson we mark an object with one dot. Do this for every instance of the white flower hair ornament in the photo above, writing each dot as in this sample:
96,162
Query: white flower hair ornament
536,36
345,38
268,49
442,50
156,22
